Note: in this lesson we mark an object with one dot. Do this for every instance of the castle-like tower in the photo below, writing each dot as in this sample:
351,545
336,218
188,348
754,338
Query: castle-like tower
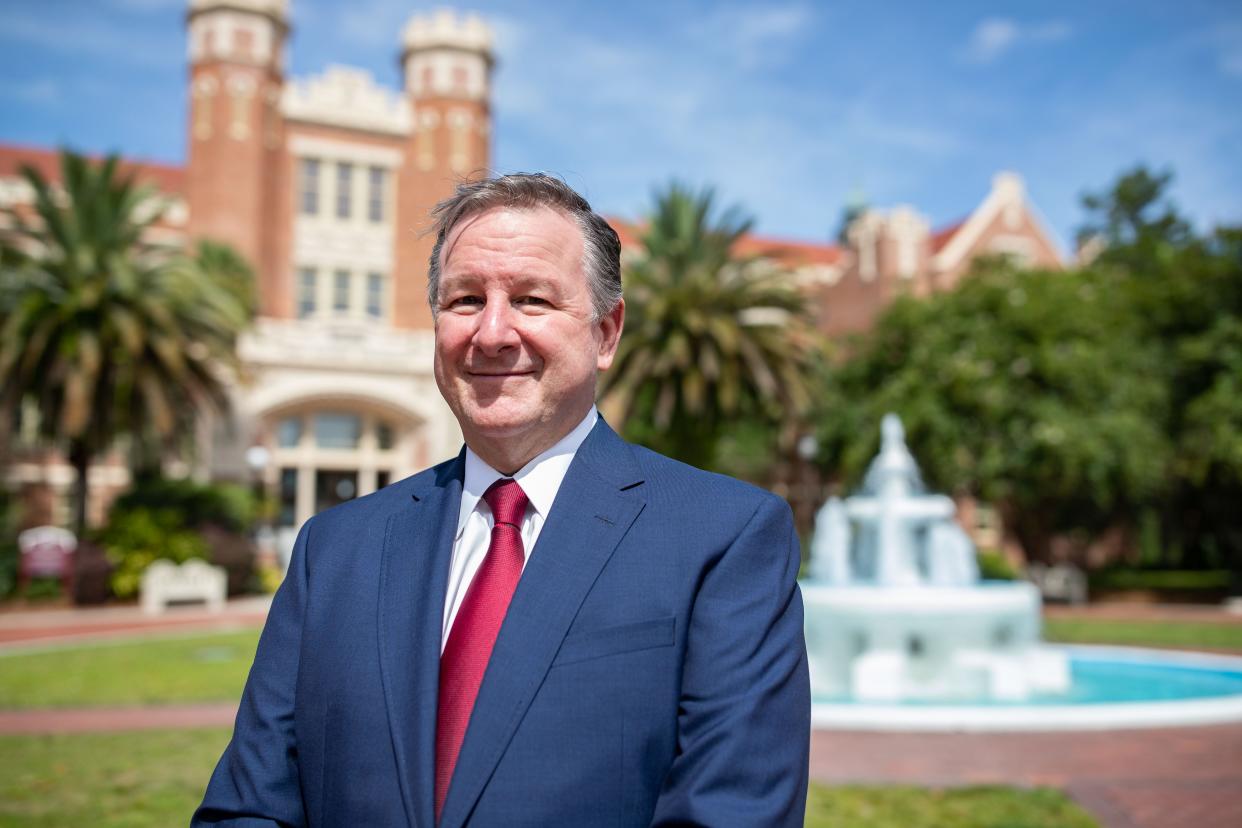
325,183
236,130
446,65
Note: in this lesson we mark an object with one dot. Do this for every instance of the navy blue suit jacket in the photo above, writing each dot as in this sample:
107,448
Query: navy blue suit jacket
651,669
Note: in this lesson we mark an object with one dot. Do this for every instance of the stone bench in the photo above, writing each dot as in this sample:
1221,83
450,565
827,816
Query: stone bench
165,582
1060,583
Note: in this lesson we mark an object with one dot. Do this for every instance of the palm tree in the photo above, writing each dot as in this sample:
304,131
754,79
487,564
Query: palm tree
108,333
711,338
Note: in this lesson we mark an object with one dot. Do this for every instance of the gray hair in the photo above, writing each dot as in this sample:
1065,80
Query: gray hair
601,247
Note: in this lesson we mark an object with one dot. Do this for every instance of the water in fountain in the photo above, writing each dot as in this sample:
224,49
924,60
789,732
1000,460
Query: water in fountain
895,609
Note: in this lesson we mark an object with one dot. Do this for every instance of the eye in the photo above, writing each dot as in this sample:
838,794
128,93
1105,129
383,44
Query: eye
535,301
464,301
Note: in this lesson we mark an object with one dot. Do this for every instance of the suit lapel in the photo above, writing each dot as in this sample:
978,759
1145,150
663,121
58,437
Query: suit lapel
592,512
418,543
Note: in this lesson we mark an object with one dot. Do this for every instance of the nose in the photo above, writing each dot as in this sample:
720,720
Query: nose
497,331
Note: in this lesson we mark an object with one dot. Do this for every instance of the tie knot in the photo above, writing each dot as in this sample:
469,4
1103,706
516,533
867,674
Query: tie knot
507,501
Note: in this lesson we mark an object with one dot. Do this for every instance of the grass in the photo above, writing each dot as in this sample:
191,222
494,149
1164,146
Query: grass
978,807
141,779
145,779
1188,635
198,668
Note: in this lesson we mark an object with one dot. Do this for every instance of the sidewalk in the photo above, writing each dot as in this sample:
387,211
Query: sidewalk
23,627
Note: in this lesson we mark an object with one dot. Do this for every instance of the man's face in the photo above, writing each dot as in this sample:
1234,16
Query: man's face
517,352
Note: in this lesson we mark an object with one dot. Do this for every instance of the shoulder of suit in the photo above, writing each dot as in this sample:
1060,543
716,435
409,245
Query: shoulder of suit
664,475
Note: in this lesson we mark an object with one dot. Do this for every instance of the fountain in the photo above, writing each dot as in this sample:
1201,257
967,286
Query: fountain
895,609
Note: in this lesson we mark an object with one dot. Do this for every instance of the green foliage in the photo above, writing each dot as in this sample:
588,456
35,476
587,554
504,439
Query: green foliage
195,505
9,551
711,338
134,538
1032,390
107,332
1107,396
1161,579
994,566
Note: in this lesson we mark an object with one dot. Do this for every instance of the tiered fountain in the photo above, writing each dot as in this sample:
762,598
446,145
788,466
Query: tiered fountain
895,610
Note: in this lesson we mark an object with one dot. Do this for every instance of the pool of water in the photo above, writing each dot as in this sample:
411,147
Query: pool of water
1116,676
1112,687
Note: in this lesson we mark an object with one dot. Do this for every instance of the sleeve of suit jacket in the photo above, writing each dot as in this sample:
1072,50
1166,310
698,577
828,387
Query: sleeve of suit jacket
255,784
744,721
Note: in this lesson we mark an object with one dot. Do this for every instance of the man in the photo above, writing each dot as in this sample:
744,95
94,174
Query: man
556,628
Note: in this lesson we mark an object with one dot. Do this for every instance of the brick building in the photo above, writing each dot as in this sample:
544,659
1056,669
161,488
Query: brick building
323,183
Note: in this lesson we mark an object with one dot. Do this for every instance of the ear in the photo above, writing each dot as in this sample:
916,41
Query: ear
610,334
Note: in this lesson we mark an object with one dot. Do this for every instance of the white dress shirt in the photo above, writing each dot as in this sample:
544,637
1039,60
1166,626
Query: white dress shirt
540,479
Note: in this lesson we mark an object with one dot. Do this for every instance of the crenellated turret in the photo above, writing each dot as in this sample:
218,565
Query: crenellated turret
236,134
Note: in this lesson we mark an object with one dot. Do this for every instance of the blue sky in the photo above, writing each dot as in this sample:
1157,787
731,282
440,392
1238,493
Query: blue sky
788,108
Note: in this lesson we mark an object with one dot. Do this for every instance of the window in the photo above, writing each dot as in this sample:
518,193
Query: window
383,436
289,432
309,198
243,43
344,183
375,194
340,291
375,295
337,431
288,498
307,288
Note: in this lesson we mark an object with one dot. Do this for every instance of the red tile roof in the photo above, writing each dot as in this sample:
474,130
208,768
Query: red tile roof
789,252
165,177
941,237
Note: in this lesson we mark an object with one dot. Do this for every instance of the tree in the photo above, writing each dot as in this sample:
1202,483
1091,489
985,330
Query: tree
711,338
109,333
1031,390
1185,290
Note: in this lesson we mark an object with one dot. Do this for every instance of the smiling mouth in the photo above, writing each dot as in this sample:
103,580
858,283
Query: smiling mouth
498,374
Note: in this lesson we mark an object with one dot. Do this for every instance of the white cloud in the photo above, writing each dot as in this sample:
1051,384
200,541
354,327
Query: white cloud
995,36
42,91
1231,64
755,36
84,35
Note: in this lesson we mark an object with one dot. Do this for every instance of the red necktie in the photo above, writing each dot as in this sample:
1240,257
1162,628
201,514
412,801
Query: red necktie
474,630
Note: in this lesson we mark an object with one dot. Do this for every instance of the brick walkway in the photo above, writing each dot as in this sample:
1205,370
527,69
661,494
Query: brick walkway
1158,778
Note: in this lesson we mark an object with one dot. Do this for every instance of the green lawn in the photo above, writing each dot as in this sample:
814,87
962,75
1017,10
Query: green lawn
142,779
196,668
908,807
1184,634
152,779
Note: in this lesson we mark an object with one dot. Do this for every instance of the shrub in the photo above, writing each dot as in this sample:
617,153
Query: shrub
135,537
235,553
994,566
8,544
196,505
92,574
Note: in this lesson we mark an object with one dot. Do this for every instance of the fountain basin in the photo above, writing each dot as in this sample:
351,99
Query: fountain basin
1111,688
921,643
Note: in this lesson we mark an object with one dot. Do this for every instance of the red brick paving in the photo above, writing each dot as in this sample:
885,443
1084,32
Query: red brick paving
86,720
1157,778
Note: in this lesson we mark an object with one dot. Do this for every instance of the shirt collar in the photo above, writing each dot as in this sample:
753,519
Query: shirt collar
540,479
